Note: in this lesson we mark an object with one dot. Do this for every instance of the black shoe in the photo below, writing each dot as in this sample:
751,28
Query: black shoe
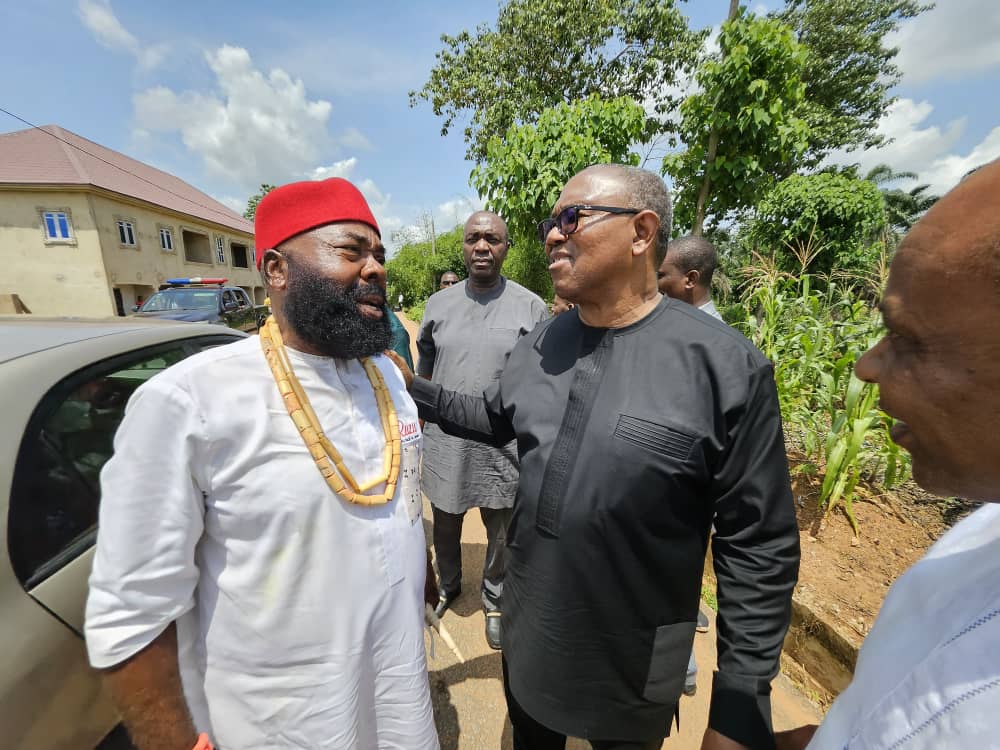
445,600
702,626
493,630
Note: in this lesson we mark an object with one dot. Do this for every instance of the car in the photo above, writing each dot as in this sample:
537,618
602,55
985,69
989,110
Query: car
63,389
204,300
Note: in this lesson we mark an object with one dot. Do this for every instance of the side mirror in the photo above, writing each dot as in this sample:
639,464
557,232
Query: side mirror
230,306
135,308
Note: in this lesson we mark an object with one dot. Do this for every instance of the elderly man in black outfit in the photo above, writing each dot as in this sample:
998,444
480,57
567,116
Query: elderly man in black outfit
638,421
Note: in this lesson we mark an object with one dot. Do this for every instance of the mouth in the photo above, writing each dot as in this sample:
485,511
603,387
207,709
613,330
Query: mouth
482,264
899,433
558,259
371,306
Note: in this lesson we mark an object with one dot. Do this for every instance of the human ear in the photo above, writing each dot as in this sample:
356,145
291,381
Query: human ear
274,268
646,225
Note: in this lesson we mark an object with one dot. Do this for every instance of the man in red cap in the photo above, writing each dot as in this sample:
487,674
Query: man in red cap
259,579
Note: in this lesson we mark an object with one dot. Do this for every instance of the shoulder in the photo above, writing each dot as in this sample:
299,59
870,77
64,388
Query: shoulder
217,370
521,293
720,340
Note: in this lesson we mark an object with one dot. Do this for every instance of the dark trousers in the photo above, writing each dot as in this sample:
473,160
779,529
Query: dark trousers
448,550
530,735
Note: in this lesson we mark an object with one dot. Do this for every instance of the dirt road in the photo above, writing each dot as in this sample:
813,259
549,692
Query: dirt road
468,698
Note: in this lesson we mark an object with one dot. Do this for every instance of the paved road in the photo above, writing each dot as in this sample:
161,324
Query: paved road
468,698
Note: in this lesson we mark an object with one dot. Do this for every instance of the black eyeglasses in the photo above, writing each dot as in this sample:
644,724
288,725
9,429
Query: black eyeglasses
449,282
569,218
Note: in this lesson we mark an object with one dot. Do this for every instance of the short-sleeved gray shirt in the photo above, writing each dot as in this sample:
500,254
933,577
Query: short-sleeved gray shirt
463,344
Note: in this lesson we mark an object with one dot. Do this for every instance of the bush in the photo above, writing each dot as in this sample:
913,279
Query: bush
416,312
838,219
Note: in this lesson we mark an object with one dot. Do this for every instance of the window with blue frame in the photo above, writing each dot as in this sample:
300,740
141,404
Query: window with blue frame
57,226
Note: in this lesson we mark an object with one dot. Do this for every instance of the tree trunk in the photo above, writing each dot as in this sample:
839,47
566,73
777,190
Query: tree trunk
713,147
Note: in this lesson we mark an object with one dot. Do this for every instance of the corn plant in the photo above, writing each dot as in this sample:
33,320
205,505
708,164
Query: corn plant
813,329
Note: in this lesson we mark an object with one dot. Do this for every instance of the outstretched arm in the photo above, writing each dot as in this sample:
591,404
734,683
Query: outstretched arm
479,418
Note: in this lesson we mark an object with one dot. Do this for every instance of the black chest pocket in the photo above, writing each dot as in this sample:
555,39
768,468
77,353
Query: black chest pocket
654,437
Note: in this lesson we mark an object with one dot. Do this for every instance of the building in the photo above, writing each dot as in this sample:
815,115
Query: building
87,231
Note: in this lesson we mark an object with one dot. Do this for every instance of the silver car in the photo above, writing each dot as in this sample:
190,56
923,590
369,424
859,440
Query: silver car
63,389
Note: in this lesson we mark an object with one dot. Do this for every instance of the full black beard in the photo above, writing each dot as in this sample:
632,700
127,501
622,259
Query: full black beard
325,314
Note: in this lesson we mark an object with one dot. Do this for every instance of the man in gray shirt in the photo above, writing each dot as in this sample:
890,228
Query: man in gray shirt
686,272
467,332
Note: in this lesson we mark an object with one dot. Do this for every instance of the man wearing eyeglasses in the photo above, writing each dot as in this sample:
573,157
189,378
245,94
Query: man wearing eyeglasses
638,420
466,334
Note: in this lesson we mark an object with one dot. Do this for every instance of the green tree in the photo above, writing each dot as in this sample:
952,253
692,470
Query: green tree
522,174
850,70
834,217
903,207
416,268
546,52
253,200
741,129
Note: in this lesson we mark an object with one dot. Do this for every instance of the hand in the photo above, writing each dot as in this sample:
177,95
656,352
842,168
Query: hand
403,367
715,741
430,584
795,739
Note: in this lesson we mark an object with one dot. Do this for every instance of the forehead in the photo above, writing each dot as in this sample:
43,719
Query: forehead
590,186
484,223
354,232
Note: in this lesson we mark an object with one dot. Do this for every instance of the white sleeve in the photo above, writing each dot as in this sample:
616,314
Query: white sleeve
151,519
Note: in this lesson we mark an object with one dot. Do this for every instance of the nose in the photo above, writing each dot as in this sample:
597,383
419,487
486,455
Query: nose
868,367
373,272
551,242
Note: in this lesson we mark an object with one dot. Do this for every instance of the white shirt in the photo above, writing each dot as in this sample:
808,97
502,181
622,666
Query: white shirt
299,615
928,675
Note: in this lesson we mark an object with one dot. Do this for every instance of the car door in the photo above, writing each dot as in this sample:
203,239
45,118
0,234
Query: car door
49,697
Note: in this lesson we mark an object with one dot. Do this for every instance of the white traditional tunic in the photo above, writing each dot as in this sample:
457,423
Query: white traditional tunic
299,614
928,675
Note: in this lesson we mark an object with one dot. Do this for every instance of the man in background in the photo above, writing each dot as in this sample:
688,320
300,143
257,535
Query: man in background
467,332
448,278
686,272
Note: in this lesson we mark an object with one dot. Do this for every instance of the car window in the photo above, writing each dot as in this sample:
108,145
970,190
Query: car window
56,491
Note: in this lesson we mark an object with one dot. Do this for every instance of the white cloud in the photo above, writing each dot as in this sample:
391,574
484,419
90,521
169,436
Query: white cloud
355,140
453,212
337,169
255,129
956,37
925,150
100,19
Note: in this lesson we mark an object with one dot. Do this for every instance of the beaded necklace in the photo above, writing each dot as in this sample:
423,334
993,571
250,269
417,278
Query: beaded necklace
328,459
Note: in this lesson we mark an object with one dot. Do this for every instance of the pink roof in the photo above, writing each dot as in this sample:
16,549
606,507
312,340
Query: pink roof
33,157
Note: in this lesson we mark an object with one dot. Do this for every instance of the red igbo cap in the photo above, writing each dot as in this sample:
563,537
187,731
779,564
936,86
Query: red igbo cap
300,206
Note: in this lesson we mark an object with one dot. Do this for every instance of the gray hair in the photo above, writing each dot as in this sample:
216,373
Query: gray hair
646,191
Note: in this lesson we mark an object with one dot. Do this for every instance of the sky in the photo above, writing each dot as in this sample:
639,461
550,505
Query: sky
229,95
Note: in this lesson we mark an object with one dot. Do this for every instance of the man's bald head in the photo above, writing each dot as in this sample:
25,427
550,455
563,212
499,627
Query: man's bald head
645,191
962,230
479,216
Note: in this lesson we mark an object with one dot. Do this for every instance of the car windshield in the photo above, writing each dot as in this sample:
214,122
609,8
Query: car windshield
182,299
